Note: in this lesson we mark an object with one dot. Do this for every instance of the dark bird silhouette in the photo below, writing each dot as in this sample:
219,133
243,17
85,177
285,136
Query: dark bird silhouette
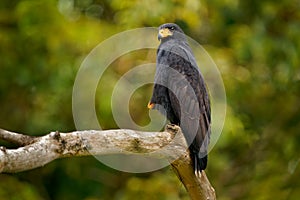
180,92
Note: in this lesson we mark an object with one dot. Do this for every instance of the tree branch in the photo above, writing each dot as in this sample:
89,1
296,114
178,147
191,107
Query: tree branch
15,138
38,151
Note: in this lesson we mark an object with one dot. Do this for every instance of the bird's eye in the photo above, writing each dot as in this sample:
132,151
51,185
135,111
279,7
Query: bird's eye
172,28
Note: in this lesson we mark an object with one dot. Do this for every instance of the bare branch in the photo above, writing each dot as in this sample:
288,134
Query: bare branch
38,151
15,138
196,185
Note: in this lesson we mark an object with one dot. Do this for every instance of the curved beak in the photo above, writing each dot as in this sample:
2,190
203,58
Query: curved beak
163,33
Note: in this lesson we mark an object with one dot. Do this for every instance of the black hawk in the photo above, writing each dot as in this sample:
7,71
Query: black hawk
180,92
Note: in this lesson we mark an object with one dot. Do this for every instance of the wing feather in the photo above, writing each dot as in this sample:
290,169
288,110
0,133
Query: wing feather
190,103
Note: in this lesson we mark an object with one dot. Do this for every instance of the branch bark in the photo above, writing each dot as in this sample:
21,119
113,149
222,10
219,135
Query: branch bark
38,151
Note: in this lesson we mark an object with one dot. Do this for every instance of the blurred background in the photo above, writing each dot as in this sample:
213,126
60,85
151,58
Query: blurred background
255,45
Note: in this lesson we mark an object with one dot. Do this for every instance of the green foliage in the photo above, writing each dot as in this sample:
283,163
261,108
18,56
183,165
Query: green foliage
14,189
255,44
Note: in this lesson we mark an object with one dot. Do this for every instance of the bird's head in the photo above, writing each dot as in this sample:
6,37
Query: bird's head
170,30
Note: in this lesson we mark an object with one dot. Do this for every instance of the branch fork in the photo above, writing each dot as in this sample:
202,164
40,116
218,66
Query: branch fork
33,152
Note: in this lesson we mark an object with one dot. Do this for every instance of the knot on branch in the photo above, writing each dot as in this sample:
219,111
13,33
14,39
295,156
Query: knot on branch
172,128
136,147
69,144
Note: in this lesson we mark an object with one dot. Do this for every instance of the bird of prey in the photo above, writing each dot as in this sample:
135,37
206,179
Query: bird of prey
180,92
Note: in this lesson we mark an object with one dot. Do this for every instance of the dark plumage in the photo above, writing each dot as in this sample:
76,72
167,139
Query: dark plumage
180,92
